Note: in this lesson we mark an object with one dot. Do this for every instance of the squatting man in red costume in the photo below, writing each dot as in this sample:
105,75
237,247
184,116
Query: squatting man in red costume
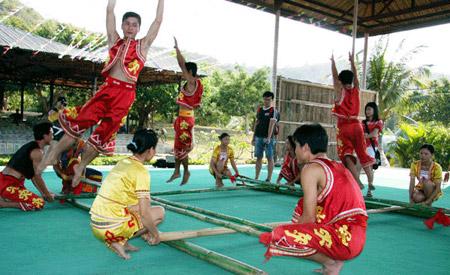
113,100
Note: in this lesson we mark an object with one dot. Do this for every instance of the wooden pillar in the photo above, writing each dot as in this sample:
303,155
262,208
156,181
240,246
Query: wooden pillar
2,96
355,25
22,95
364,68
275,48
52,94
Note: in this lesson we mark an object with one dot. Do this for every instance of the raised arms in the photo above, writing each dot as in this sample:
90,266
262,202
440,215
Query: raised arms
182,64
336,83
154,29
351,58
111,23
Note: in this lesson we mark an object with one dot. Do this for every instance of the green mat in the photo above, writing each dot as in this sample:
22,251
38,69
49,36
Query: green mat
58,240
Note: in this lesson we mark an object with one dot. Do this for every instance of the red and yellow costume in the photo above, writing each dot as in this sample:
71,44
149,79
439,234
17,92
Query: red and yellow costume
349,133
14,189
433,174
112,101
184,124
112,220
339,230
67,161
290,169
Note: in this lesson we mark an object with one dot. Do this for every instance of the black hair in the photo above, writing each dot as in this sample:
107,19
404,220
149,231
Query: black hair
346,77
314,135
143,139
131,14
429,147
374,106
63,100
290,138
41,129
223,135
191,67
268,94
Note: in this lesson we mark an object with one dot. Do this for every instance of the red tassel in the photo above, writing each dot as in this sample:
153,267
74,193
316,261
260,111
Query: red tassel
430,222
265,238
233,179
441,218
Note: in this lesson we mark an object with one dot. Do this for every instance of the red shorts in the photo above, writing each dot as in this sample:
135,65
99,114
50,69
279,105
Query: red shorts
109,106
342,240
350,139
183,127
14,190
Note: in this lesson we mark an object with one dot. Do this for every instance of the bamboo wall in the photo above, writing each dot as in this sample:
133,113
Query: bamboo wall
301,102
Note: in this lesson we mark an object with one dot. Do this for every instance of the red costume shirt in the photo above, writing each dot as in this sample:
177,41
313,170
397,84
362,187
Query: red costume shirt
191,100
348,105
339,230
372,125
132,63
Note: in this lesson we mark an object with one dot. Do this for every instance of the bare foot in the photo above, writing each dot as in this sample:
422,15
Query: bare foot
78,173
333,268
120,250
129,247
173,177
319,270
186,176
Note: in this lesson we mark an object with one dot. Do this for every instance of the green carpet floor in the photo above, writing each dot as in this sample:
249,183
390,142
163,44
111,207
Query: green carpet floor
58,240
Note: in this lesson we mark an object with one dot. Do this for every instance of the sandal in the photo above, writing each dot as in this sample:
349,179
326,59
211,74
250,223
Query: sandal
369,194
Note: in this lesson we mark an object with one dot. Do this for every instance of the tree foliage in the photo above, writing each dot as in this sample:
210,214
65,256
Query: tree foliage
432,104
392,79
413,137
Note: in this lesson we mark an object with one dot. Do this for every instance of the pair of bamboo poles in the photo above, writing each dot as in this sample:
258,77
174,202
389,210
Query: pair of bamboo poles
230,224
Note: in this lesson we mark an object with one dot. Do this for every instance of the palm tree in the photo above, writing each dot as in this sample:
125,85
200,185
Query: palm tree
393,79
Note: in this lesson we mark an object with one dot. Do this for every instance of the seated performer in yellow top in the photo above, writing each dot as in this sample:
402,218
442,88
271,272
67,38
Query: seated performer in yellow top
429,176
122,208
218,164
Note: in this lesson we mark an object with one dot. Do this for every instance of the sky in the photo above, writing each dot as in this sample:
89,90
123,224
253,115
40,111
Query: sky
233,33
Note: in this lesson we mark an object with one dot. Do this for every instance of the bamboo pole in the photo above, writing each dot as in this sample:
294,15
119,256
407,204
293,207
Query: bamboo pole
240,228
386,209
214,189
80,205
218,259
188,234
73,196
215,214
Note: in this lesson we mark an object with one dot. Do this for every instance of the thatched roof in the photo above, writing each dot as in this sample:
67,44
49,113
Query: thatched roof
375,17
25,57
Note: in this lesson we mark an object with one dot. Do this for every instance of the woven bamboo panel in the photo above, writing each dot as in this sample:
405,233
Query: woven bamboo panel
302,102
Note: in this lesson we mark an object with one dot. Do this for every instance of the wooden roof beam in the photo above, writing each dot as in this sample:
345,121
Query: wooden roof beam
444,3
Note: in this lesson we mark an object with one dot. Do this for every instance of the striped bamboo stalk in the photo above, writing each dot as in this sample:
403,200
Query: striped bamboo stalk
218,259
91,182
215,214
240,228
188,234
73,196
182,192
79,205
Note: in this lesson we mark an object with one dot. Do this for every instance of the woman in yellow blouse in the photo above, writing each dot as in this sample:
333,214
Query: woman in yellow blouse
218,164
429,176
122,208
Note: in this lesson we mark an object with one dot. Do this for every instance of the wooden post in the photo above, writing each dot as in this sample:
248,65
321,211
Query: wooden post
364,65
2,96
275,49
355,25
22,95
52,94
